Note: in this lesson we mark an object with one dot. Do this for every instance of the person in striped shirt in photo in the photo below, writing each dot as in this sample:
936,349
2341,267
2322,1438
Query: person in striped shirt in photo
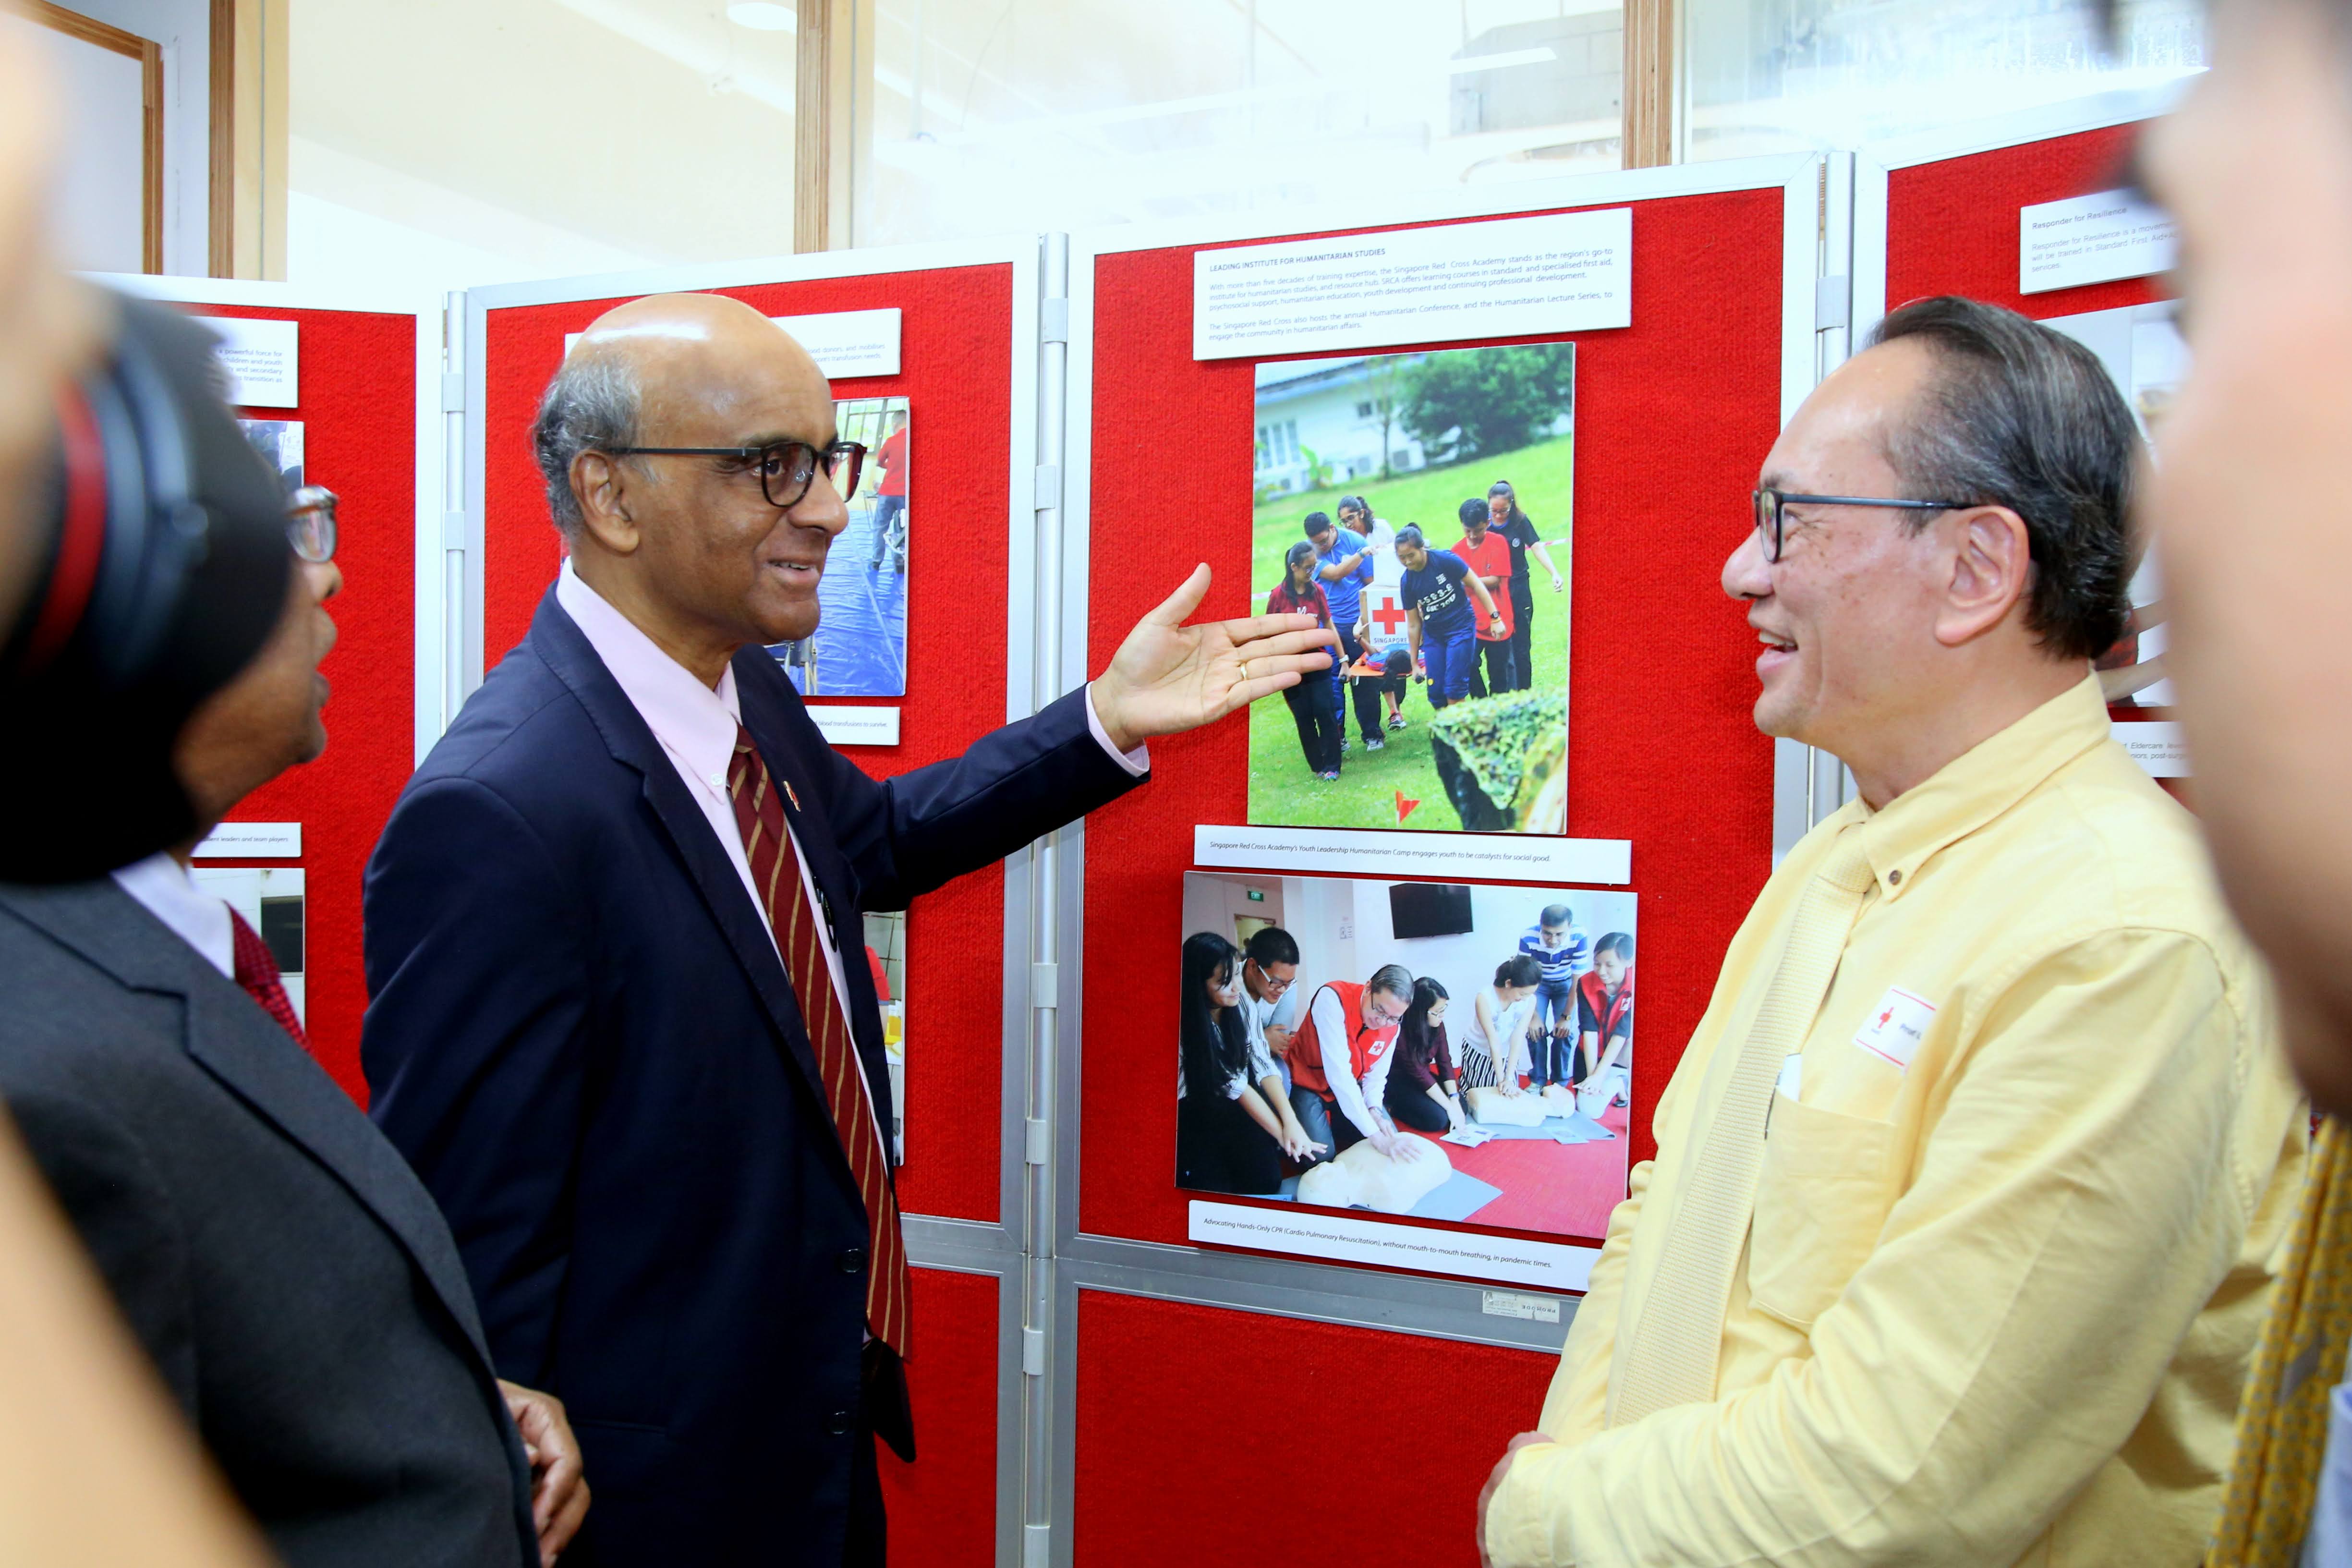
1562,953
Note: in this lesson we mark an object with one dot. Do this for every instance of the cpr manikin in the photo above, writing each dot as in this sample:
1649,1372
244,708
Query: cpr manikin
1363,1177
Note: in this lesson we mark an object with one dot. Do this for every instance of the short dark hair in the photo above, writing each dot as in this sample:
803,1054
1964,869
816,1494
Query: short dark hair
1410,534
1317,522
1394,979
1357,502
1272,944
2023,416
1616,942
1518,970
1555,916
1473,510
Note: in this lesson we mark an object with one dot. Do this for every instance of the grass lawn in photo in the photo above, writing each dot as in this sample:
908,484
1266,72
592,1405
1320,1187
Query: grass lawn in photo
1281,790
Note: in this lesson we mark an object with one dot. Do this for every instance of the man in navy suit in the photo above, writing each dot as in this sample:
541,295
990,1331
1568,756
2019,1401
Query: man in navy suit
611,1027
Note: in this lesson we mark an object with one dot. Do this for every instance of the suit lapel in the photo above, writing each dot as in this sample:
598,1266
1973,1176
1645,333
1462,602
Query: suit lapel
568,653
231,1038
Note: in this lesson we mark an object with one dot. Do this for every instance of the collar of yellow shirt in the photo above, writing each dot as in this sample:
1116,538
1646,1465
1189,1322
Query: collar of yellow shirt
1977,785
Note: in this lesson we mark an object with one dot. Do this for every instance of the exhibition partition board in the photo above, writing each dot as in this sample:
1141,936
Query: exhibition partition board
1672,411
2036,212
353,405
1164,1426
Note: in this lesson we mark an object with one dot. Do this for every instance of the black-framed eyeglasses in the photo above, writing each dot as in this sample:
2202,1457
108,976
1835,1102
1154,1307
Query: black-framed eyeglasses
1770,506
310,523
787,469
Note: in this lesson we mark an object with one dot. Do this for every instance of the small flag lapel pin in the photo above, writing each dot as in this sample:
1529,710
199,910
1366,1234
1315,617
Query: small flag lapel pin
789,795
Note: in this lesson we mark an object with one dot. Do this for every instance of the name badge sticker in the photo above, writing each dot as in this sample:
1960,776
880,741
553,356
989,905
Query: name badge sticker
1895,1027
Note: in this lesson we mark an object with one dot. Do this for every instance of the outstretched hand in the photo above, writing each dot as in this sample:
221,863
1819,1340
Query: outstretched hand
1168,677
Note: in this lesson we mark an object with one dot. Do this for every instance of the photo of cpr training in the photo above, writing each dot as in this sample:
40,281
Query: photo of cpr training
1426,1048
859,649
1418,504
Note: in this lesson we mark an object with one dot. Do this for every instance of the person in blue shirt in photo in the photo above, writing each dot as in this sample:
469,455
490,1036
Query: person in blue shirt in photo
1439,590
1343,567
1562,953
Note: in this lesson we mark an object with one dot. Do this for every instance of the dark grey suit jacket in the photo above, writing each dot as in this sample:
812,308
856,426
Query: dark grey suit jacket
290,1275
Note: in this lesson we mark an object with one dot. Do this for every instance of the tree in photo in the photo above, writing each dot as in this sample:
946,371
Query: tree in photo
1459,405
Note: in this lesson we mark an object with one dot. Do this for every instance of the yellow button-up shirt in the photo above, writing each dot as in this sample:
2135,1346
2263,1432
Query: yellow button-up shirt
2014,1227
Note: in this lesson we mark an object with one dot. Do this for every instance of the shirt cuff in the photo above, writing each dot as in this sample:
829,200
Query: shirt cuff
1137,762
1518,1529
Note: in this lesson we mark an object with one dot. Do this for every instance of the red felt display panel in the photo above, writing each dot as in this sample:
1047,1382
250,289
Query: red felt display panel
357,413
955,369
943,1507
1672,415
1191,1450
1951,226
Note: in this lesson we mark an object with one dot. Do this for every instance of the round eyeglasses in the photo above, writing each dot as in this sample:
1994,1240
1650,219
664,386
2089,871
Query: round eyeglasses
787,469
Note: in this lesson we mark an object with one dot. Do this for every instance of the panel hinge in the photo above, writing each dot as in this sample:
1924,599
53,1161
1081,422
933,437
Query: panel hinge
1037,1140
453,530
1831,298
1037,1545
453,391
1044,987
1049,487
1033,1352
1054,320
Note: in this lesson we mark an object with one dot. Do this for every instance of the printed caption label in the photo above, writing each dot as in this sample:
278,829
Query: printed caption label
843,724
2157,745
2091,239
1314,1233
1567,272
263,360
252,841
1498,857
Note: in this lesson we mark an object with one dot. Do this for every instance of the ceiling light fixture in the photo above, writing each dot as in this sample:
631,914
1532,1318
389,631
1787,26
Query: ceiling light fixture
761,15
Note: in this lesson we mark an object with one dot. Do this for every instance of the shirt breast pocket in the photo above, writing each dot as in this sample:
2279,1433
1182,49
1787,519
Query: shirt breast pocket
1821,1199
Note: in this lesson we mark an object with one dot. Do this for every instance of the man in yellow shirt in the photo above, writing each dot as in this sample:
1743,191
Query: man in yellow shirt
1957,1236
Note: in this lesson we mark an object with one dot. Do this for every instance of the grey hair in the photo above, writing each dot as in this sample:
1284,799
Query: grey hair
590,406
2018,415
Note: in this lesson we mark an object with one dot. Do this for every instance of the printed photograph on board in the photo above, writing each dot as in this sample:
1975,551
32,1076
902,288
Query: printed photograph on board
280,442
2144,353
1435,1049
1420,503
886,954
860,646
271,899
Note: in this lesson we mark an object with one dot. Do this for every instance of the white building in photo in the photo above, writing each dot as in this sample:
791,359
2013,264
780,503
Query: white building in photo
1329,412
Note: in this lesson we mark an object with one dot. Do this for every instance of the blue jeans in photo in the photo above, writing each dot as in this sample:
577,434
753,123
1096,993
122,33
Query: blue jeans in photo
1449,657
1552,1061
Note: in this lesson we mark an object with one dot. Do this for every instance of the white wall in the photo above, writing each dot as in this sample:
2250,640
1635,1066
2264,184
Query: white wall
392,230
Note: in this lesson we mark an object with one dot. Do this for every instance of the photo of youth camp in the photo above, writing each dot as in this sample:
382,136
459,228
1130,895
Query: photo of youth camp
1419,505
859,649
1424,1049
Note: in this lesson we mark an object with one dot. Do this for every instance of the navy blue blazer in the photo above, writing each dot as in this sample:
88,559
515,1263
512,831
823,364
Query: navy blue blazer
583,1039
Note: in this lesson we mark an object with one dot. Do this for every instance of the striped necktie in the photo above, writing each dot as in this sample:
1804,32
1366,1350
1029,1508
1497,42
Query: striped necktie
257,972
1670,1356
776,873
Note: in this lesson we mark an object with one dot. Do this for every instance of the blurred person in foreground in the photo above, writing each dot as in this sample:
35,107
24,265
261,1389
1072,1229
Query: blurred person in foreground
282,1265
94,1467
1957,1237
2249,505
